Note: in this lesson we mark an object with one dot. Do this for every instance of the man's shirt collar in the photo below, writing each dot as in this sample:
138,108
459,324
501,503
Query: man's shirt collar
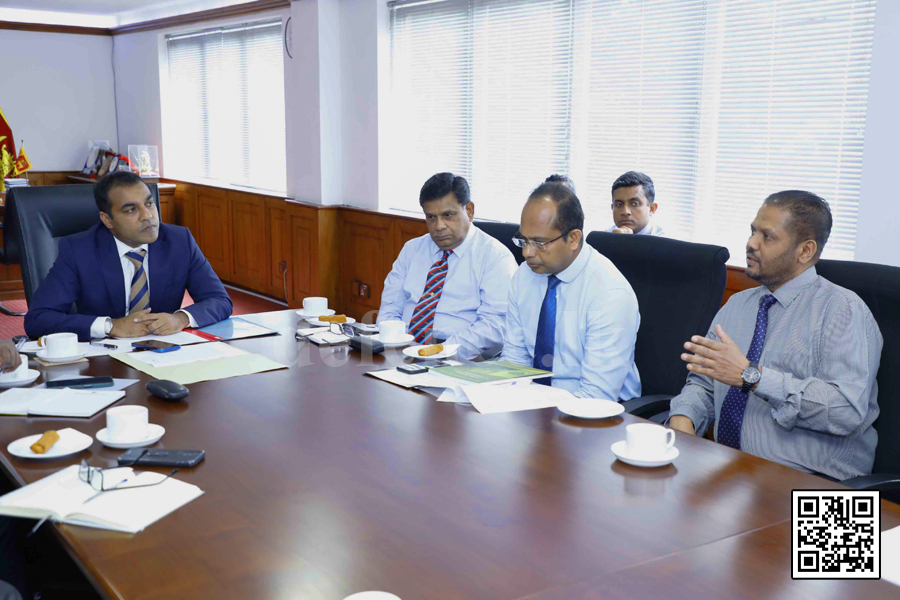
790,290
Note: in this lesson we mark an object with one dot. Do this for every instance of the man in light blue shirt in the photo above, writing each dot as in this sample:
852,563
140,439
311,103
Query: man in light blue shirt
634,204
570,310
450,285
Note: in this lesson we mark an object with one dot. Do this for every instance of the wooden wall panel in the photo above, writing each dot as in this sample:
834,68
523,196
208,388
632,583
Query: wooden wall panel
215,240
367,255
280,283
185,208
737,282
303,245
328,251
250,240
405,231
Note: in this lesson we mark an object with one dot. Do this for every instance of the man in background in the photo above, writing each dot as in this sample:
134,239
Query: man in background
634,204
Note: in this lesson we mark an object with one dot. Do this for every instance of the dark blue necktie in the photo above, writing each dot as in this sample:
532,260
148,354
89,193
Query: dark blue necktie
731,417
546,331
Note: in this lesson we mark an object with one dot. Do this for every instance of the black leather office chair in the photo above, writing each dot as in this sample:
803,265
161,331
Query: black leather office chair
503,232
679,288
43,215
8,254
879,288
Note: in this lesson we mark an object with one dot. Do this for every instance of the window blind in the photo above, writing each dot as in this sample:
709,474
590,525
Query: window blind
720,102
226,117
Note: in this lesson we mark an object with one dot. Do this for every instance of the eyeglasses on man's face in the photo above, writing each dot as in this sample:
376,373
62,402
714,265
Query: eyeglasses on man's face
521,241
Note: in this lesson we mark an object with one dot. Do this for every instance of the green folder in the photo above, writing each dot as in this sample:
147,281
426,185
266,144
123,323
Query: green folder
491,372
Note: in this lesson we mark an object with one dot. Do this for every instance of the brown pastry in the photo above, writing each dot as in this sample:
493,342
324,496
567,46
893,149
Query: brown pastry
429,350
45,443
333,319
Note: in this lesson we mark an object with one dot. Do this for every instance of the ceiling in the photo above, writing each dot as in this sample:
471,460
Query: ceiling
102,13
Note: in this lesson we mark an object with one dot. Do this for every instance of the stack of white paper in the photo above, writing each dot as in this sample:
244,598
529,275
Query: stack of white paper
190,354
65,498
489,399
890,555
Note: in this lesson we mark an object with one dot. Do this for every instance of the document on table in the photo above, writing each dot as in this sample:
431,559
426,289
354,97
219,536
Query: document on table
56,403
513,397
890,555
217,364
430,379
118,384
189,354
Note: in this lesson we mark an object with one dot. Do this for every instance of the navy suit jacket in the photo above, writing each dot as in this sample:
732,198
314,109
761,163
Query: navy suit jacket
88,273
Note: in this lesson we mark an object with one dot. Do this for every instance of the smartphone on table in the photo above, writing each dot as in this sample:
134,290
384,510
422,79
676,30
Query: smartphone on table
155,346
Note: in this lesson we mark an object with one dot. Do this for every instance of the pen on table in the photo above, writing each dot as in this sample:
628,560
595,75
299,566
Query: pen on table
107,346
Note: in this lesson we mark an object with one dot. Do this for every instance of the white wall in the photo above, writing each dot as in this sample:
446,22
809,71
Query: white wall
879,207
57,94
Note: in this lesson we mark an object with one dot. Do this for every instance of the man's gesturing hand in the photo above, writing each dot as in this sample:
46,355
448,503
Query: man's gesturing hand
722,361
9,357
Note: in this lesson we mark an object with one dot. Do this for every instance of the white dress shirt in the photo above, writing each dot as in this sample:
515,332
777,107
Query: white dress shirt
98,327
650,228
597,321
472,307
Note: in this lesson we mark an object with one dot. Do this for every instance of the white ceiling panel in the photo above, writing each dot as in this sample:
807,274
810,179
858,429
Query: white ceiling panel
102,13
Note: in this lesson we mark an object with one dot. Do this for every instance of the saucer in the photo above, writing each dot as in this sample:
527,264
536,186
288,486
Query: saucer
154,432
621,452
42,354
590,408
70,442
318,323
413,352
30,378
401,341
313,314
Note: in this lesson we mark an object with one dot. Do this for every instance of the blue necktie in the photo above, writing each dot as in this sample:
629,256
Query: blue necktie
731,417
546,331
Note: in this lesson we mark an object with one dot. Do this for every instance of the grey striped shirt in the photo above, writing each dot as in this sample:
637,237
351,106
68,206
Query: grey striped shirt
815,404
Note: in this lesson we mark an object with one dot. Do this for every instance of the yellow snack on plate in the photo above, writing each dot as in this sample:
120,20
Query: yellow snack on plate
431,350
45,443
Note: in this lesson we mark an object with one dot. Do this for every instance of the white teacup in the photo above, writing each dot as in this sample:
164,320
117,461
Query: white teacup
391,330
20,373
127,423
648,440
315,304
60,345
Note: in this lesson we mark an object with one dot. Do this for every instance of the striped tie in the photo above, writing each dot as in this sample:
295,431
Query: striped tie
140,295
422,322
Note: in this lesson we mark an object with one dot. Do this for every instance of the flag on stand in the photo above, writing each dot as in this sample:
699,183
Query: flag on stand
7,151
22,163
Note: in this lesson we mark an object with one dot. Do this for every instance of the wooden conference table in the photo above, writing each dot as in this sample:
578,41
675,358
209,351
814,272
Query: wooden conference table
321,482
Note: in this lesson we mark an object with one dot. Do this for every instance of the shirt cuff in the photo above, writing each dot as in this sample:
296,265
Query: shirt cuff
98,328
771,387
686,410
192,321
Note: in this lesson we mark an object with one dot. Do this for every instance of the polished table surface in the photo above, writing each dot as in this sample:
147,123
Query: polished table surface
321,482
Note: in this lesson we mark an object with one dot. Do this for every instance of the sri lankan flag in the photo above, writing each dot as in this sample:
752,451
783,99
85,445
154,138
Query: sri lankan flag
7,151
22,163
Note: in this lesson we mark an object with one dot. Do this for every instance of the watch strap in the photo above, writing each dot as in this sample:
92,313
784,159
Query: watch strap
747,385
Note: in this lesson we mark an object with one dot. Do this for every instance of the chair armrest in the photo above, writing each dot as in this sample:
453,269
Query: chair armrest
647,406
876,481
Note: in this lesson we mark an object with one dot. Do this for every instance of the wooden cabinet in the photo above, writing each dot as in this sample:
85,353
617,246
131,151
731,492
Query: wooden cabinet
250,240
214,225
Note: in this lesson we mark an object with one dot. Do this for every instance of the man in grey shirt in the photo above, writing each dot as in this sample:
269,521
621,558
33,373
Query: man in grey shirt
788,370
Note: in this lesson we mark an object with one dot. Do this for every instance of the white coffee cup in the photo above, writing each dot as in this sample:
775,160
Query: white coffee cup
648,440
372,596
315,304
60,345
392,330
127,423
20,373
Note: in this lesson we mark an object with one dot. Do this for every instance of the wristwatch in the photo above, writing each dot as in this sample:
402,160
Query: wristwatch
107,325
751,377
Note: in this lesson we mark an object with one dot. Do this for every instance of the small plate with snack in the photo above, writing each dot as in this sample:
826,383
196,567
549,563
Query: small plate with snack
431,352
326,320
51,444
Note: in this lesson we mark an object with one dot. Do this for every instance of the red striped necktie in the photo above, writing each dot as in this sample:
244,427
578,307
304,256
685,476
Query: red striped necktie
422,322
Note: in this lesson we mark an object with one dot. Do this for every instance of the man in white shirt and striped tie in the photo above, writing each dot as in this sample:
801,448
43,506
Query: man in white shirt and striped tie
450,285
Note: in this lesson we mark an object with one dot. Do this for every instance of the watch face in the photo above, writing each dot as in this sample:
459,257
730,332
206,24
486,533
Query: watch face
751,374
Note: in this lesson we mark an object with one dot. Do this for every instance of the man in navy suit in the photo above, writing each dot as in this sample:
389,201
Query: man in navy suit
127,274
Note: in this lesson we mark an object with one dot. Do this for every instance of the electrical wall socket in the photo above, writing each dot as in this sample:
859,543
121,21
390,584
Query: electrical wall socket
364,290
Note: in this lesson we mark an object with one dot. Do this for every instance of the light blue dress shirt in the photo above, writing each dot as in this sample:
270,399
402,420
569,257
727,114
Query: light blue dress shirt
597,321
472,307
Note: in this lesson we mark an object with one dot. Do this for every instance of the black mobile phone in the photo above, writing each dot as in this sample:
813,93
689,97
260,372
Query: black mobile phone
81,383
155,346
145,457
412,369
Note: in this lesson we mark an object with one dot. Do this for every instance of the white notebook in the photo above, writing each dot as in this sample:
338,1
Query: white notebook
66,402
62,496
